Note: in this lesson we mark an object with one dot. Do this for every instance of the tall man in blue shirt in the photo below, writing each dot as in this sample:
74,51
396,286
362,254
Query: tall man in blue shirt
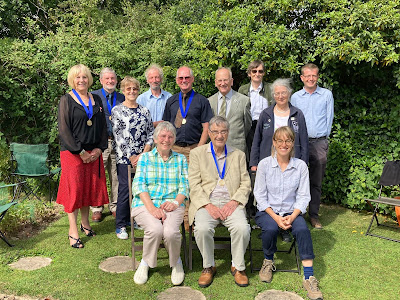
110,97
316,103
155,98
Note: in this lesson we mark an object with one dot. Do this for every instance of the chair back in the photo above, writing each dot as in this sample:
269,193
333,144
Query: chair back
390,174
31,159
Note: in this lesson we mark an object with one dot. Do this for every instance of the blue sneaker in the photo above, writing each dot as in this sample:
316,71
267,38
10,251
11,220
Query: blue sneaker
121,233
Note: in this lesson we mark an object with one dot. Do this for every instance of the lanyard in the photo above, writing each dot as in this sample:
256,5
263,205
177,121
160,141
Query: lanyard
221,175
108,103
89,111
184,112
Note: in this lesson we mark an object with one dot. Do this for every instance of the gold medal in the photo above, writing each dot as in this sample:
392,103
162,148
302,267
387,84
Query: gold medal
184,121
109,118
89,122
221,182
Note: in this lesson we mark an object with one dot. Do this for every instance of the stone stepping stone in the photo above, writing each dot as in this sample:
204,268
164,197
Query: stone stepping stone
181,292
277,295
31,263
117,264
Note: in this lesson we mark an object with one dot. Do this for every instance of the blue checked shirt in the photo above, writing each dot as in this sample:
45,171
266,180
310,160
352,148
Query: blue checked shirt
162,180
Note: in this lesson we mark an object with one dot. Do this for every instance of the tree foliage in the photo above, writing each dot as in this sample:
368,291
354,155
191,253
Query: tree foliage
355,43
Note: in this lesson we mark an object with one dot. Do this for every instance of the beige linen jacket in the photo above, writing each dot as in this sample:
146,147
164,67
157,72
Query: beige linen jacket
203,177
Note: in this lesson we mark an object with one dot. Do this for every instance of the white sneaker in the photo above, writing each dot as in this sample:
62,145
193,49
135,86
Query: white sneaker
121,233
177,274
141,274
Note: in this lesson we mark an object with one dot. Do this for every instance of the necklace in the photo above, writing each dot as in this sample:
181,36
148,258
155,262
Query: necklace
281,111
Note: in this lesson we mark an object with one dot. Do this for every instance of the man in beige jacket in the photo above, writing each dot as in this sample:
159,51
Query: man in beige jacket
219,189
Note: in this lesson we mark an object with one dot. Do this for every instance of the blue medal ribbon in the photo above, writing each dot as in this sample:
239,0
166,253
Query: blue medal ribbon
221,175
89,111
184,112
108,103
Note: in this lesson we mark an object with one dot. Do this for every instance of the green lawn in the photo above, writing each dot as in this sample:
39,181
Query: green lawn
348,264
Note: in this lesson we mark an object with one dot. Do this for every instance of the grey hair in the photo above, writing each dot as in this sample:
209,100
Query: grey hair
154,67
106,70
167,126
219,120
282,82
190,69
224,68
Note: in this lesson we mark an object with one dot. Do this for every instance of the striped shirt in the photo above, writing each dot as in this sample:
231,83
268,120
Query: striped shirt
163,180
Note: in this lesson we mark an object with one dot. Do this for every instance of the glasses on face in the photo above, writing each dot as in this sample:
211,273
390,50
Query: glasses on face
287,142
181,78
216,133
254,71
133,89
283,94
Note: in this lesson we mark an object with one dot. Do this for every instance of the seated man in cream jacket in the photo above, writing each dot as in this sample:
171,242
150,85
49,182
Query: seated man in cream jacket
219,189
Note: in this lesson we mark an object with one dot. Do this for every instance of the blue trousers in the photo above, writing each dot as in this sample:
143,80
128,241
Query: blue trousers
270,232
123,210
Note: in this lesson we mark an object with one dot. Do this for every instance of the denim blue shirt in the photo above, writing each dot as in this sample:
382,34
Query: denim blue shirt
154,105
317,109
282,191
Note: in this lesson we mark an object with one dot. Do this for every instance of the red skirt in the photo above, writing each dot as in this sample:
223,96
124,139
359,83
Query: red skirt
81,184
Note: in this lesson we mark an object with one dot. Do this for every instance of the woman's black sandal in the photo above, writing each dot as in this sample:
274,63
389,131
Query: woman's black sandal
78,243
90,231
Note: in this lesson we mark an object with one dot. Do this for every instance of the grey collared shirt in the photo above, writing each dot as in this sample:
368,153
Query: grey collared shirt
282,191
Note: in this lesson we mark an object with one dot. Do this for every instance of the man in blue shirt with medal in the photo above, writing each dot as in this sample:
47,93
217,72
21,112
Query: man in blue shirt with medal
110,97
189,112
219,190
316,103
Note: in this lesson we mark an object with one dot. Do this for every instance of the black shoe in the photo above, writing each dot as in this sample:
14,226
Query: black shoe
89,232
78,244
286,237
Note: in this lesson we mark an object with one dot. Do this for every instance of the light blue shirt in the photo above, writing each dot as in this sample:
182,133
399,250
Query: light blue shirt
317,109
258,102
155,105
282,191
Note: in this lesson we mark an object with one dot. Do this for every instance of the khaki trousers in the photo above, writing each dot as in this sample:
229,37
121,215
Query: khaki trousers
110,164
238,228
154,231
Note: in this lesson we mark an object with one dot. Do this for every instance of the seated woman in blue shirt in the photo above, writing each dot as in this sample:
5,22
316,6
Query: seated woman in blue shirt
160,188
282,191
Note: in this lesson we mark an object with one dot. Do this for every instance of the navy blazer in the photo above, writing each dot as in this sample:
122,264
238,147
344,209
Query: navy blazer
262,142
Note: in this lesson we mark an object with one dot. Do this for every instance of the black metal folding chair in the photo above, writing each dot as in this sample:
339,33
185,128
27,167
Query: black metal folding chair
390,178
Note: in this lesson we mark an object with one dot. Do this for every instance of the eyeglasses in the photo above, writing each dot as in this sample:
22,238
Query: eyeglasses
215,132
128,89
254,71
283,94
181,78
287,142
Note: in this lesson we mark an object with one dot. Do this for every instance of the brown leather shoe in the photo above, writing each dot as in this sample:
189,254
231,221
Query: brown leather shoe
240,277
315,223
207,276
97,216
